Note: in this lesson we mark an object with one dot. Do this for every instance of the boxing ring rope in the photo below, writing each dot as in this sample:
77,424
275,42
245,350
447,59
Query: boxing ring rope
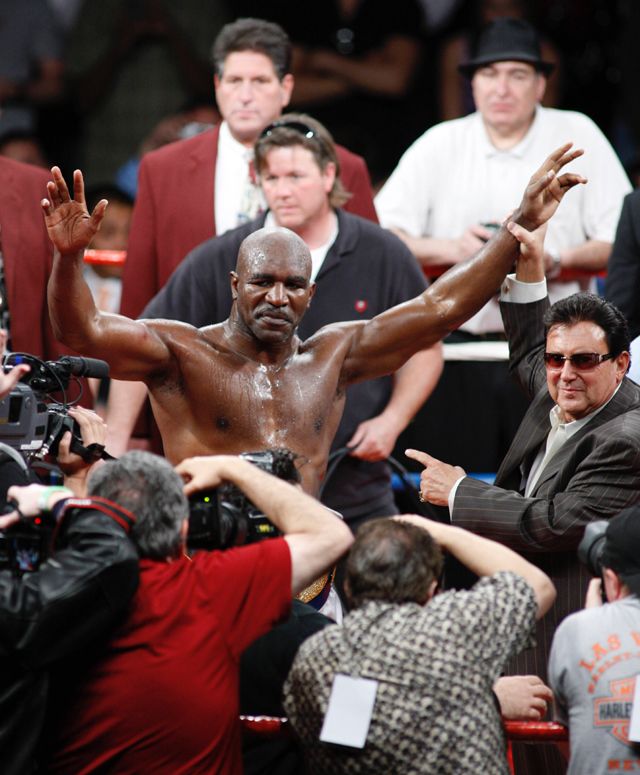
542,732
105,257
565,275
118,257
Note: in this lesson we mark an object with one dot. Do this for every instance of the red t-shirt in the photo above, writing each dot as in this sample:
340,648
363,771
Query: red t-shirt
164,696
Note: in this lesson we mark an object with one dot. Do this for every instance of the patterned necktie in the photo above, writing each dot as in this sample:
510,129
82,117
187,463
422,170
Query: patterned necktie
251,201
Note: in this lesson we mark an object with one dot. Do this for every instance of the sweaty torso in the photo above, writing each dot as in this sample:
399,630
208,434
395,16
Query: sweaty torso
214,400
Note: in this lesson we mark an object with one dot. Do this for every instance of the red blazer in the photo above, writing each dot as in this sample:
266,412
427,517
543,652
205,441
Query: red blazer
28,253
174,211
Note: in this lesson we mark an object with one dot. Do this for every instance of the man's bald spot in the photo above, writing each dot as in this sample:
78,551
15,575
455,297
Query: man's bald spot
264,245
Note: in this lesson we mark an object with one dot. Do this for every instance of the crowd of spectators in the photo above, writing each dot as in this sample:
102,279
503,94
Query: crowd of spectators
443,109
91,82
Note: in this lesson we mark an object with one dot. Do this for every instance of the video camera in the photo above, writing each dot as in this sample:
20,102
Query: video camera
28,422
225,517
31,426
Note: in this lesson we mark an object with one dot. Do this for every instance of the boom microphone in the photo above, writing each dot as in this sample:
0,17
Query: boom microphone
85,367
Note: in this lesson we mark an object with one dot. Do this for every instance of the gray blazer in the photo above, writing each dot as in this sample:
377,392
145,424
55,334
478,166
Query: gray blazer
593,476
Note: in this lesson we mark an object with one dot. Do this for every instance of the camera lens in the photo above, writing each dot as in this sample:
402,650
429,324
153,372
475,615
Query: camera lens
591,547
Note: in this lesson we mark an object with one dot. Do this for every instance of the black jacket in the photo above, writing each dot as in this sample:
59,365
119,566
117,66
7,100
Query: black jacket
622,285
56,611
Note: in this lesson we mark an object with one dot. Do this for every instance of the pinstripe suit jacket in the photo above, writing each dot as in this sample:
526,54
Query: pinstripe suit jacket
594,475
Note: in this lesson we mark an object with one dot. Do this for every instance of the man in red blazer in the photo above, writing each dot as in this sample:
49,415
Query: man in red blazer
27,254
192,190
177,206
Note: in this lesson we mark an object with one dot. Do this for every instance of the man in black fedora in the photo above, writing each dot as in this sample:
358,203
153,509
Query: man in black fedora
454,185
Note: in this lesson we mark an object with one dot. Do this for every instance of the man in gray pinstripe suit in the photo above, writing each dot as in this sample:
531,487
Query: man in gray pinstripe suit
576,455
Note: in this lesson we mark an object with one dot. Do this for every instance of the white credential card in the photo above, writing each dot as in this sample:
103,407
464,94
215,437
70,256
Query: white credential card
349,711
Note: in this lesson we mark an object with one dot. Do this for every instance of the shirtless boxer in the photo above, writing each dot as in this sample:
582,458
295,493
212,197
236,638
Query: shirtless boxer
249,382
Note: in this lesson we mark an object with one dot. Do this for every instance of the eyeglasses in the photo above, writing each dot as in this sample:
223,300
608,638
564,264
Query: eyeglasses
298,126
579,361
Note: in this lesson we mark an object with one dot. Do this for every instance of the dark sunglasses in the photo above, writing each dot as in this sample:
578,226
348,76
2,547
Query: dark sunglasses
298,126
580,361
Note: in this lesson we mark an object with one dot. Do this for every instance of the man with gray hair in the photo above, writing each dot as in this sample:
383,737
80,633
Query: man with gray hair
192,617
429,662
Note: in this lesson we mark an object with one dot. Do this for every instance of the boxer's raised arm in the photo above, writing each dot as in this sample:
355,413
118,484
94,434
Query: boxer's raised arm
384,343
132,349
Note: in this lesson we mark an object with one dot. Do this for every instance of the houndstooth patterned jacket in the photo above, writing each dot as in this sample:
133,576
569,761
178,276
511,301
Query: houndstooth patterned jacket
435,711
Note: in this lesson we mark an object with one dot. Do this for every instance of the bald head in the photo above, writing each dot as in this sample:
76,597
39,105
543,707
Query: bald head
271,287
265,246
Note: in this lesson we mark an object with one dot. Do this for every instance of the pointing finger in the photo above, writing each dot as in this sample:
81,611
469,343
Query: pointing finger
421,457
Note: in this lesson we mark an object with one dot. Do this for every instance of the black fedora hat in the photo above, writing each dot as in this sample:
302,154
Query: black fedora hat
506,39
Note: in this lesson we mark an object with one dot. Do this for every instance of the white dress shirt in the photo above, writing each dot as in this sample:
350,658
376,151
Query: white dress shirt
453,177
232,173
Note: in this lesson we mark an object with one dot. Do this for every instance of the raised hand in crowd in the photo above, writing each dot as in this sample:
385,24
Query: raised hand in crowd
533,263
70,225
546,188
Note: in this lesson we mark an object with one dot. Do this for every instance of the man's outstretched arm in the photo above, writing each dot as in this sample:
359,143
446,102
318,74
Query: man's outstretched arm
486,557
382,344
132,348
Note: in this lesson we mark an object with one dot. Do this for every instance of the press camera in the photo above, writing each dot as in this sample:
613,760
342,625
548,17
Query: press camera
591,548
225,517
